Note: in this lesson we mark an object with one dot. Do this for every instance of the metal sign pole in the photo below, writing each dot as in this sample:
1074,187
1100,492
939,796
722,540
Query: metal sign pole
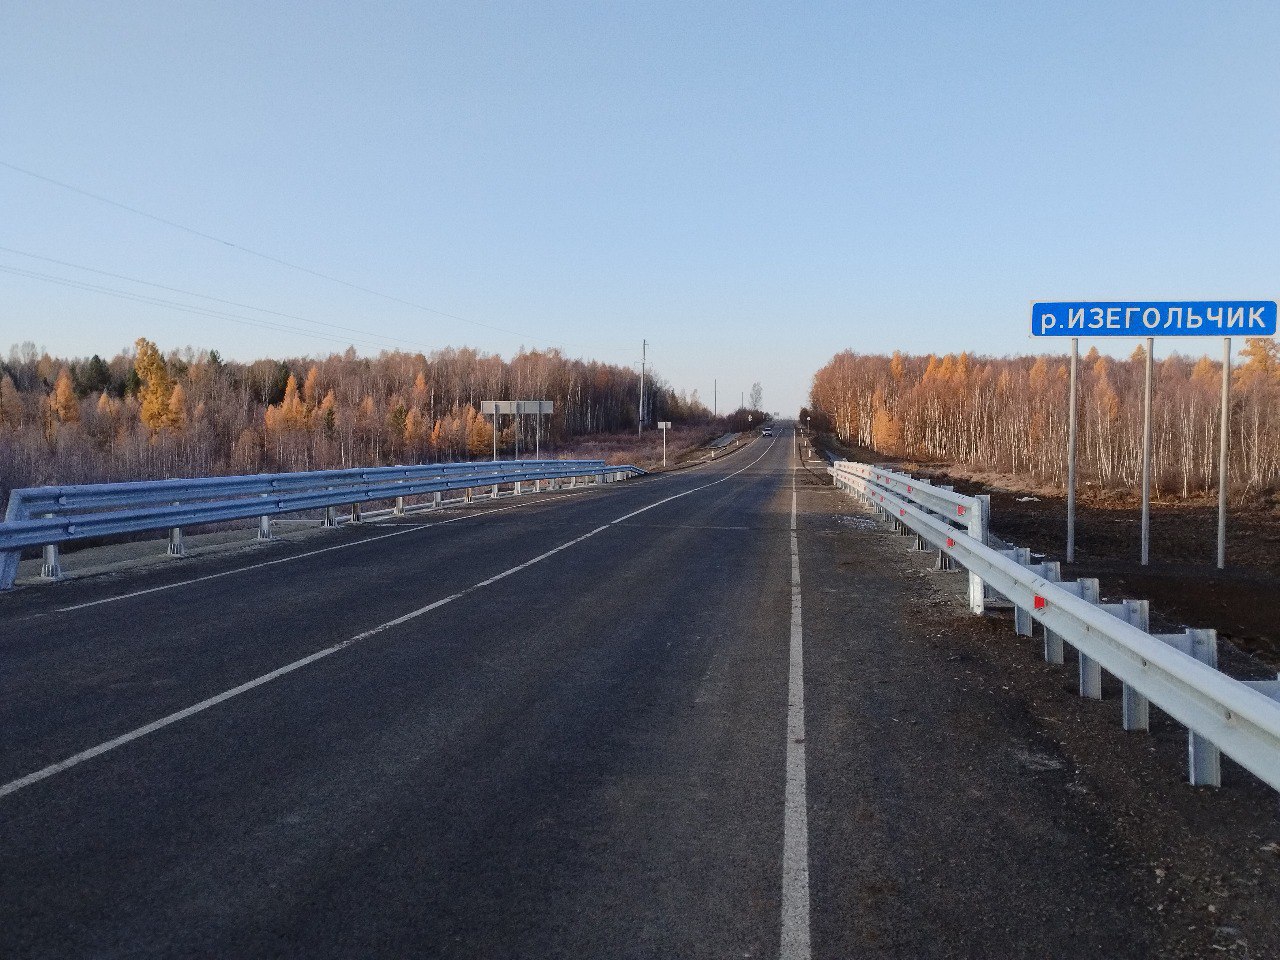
1146,457
1224,433
664,426
537,437
495,436
1071,455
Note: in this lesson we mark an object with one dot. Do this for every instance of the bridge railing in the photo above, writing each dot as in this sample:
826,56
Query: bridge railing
49,516
1176,672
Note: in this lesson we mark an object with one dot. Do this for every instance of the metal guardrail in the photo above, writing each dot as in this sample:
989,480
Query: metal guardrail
49,516
1176,672
970,514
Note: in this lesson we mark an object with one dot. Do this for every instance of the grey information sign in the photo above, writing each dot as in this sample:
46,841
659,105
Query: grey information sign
535,407
664,424
491,408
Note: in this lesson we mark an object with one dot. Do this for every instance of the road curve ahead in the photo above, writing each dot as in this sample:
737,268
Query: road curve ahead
651,719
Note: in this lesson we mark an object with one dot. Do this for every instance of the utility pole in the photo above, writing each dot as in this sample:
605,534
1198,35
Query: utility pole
644,348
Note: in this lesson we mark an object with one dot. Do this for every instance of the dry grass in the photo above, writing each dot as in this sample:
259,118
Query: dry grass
642,451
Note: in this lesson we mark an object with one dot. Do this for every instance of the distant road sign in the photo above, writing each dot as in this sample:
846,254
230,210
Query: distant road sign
1141,318
516,407
664,424
537,407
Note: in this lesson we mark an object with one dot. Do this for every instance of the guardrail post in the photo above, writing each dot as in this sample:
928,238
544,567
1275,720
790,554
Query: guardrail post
264,527
1135,709
493,494
1204,760
517,491
355,513
176,548
1088,590
1091,672
399,510
573,482
979,521
437,499
1051,570
9,568
466,495
330,517
51,569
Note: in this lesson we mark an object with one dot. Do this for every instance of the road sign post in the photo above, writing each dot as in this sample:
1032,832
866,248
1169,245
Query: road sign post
1146,453
1071,452
664,426
1224,431
493,408
1149,319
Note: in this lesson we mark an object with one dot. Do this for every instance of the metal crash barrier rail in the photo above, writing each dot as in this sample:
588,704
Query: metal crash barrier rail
49,516
1176,672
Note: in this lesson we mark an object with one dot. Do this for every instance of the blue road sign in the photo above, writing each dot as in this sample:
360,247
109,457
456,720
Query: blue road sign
1140,318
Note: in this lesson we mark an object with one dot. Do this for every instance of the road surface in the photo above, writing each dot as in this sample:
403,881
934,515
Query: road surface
705,714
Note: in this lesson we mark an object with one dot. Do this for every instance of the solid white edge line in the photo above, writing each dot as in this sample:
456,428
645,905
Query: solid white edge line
76,759
795,819
563,495
311,553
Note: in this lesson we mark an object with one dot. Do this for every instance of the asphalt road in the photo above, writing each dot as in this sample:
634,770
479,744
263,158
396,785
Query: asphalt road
559,730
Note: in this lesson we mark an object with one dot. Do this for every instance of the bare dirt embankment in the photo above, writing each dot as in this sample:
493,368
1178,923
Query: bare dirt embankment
1182,581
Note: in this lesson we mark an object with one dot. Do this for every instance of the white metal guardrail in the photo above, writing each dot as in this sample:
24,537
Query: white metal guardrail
1176,672
49,516
971,514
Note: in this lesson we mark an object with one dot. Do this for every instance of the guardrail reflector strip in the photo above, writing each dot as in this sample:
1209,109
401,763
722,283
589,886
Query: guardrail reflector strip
1041,603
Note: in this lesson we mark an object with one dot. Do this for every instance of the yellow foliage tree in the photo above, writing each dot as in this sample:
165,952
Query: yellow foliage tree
1262,361
479,435
177,408
10,402
63,402
157,385
886,432
311,387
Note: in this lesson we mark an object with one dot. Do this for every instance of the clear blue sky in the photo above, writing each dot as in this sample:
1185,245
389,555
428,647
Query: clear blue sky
752,187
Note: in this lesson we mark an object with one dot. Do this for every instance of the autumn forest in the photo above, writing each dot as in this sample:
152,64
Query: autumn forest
144,414
1009,415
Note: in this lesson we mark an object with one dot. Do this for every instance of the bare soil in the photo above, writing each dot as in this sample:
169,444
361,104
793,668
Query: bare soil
1182,581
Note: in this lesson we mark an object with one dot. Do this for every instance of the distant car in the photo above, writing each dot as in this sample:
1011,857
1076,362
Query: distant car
766,432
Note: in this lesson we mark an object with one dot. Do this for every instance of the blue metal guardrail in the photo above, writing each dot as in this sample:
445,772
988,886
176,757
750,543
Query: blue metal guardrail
49,516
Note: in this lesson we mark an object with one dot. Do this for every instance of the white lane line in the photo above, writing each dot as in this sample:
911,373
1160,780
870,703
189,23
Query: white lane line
312,553
795,817
76,759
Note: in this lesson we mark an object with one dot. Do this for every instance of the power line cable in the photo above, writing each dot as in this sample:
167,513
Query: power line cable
175,305
256,253
205,296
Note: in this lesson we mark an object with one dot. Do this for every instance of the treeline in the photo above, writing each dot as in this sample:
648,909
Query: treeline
143,415
1009,415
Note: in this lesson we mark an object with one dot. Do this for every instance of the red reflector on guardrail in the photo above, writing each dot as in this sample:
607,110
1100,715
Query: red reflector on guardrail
1041,603
960,511
950,542
908,488
902,512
